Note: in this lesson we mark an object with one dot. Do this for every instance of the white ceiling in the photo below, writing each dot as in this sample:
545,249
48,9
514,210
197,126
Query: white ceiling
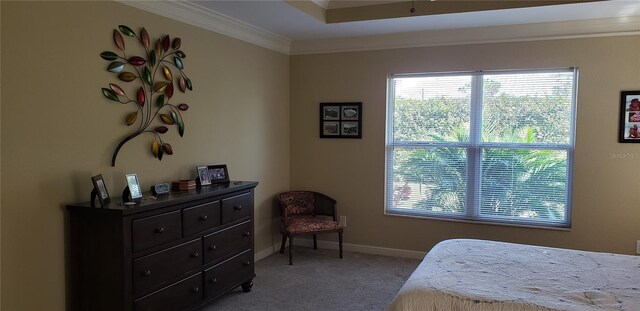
279,26
282,19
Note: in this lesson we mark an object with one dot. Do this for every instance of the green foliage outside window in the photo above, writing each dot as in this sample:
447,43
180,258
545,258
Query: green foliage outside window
515,181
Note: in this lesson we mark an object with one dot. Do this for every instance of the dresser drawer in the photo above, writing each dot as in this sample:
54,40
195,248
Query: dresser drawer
178,296
152,270
227,242
200,218
230,272
155,230
237,207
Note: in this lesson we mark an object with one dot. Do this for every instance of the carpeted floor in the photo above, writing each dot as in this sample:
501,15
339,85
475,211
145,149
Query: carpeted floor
320,281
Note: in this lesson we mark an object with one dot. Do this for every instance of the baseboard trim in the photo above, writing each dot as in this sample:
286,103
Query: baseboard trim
357,248
365,249
264,253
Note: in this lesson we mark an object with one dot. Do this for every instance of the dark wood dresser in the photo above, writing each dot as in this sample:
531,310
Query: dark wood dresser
177,252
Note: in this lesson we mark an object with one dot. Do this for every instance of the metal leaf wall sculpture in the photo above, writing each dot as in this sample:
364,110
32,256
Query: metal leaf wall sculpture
154,81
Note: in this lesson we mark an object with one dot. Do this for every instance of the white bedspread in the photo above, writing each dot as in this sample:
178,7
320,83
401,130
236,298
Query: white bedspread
485,275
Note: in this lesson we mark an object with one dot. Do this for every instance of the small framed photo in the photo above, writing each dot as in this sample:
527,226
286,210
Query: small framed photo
330,128
341,120
218,173
350,129
350,113
134,187
101,189
203,175
330,112
629,131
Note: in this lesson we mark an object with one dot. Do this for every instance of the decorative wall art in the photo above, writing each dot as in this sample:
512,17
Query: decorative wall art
341,120
151,75
629,117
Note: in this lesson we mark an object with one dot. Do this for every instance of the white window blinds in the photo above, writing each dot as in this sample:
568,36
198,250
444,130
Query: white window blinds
488,146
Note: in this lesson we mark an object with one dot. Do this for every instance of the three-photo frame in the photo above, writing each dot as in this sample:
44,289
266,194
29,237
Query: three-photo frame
629,131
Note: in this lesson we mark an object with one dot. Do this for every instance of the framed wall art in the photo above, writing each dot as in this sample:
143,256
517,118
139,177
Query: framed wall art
629,117
341,120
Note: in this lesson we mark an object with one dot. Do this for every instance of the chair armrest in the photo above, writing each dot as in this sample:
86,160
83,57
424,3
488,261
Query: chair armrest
283,213
325,205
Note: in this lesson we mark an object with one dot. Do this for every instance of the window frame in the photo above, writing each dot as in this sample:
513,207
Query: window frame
474,149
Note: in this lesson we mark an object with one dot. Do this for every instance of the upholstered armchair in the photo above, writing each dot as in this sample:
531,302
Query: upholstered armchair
307,213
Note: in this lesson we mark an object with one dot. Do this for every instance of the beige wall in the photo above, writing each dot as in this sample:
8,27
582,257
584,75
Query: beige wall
606,216
58,130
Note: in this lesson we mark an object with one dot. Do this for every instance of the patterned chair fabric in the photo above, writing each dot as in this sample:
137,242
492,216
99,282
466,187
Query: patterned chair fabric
300,224
307,212
298,202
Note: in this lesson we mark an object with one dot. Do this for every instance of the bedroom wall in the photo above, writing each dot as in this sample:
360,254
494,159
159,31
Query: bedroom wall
58,130
606,215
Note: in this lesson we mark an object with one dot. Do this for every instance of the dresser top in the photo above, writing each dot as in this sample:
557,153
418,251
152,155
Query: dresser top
149,202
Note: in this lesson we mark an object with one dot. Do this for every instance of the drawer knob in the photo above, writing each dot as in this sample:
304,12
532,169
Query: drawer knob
195,255
248,233
146,273
246,263
203,218
213,280
160,230
212,248
237,207
195,289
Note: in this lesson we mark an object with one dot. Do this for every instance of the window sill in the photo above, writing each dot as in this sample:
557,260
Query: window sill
478,222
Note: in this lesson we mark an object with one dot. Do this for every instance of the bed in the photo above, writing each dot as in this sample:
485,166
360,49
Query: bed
464,274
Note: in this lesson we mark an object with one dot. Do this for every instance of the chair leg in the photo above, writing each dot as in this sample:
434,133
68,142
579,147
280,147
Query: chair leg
315,242
290,250
284,241
340,243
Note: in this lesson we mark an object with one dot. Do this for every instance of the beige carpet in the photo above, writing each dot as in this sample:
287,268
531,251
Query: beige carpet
320,280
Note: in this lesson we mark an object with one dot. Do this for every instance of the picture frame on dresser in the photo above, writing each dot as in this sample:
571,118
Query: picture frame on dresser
218,173
629,131
203,175
133,188
100,190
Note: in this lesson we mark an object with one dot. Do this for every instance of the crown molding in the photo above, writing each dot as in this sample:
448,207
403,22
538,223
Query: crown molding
321,3
205,18
622,26
199,16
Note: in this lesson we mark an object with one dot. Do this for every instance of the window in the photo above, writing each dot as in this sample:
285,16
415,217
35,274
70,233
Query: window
491,146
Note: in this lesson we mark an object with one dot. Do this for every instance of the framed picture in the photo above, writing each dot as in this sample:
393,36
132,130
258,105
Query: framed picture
218,173
350,129
101,189
331,128
134,187
331,112
629,117
341,120
203,175
350,113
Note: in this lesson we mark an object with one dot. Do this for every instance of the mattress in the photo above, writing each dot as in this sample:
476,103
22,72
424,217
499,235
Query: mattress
465,274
